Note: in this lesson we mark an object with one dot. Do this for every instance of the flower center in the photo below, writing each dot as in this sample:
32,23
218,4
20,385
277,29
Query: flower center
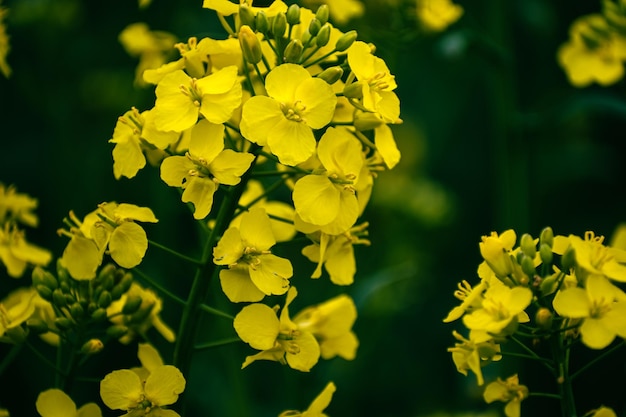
293,112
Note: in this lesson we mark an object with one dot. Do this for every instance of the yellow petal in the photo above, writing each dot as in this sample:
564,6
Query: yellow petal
55,403
308,353
128,244
164,385
121,390
238,286
257,325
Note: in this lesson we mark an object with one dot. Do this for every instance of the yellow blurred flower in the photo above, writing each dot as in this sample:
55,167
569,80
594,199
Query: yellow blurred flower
317,407
55,403
437,15
508,391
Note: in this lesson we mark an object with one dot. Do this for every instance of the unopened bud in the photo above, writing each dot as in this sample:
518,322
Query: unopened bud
279,25
322,14
63,323
546,236
528,266
121,287
323,36
99,315
331,75
58,298
133,302
545,253
16,334
293,51
293,14
62,273
116,331
345,41
77,311
42,277
364,121
314,27
246,17
353,90
528,246
250,45
544,318
568,260
38,326
92,347
105,299
44,292
262,24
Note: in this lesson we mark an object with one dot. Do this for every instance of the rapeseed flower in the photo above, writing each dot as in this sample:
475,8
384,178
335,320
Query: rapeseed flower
56,403
471,354
437,15
253,271
508,391
318,405
16,253
593,257
296,103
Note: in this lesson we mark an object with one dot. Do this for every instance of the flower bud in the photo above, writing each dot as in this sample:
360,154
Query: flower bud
323,36
77,311
105,299
133,302
345,41
527,245
314,27
44,292
331,75
62,274
293,51
568,260
99,315
122,286
250,45
92,347
546,236
116,331
246,17
262,24
16,334
38,326
106,276
353,90
293,14
322,13
545,253
528,266
58,298
279,25
364,121
42,277
63,323
544,317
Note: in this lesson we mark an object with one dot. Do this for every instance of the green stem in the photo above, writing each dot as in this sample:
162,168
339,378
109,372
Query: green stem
158,286
173,252
215,311
533,355
6,361
217,343
545,395
597,359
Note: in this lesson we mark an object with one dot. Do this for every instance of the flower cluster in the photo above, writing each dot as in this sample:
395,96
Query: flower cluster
554,290
596,49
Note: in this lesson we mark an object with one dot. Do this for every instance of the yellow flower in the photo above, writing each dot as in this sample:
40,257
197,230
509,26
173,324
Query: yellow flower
595,52
142,320
602,412
317,407
15,309
4,45
180,99
17,207
508,391
331,323
341,11
593,257
150,46
437,15
253,271
601,305
206,165
375,81
328,199
501,309
16,253
284,121
474,353
227,8
278,340
495,250
124,390
472,298
56,403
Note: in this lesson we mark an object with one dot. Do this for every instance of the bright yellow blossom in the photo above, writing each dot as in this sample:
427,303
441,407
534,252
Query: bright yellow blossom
17,307
594,53
56,403
125,390
317,407
206,165
471,299
253,271
495,250
278,339
437,15
473,353
508,391
329,199
17,207
181,100
601,305
227,8
602,412
593,257
284,120
16,253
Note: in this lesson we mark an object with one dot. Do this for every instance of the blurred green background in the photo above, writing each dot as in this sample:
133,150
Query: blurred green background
493,138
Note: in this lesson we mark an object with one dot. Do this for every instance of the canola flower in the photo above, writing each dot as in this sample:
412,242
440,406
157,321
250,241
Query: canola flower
54,403
317,406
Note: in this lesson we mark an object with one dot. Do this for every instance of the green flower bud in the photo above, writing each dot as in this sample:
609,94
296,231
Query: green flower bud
546,236
279,25
37,326
58,298
528,266
354,90
91,307
16,334
44,292
293,51
62,274
246,17
545,253
122,286
99,315
331,75
140,315
42,277
92,347
322,13
527,245
133,302
106,276
105,299
69,299
77,311
544,318
250,45
262,24
345,41
116,331
323,35
293,14
65,287
568,260
314,27
63,323
364,121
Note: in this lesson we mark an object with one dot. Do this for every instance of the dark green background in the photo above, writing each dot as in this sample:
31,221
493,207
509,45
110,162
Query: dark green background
494,138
